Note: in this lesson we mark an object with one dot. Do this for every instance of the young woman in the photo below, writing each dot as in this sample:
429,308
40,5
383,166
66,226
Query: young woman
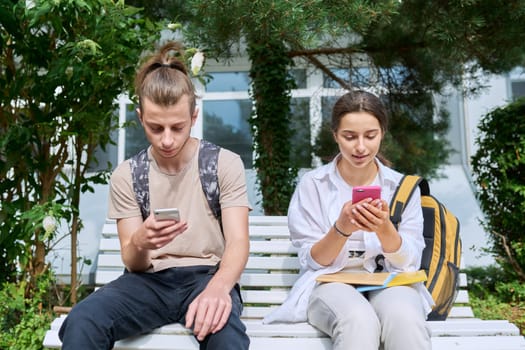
333,234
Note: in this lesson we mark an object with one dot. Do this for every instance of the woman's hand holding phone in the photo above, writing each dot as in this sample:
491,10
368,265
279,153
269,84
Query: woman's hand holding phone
368,209
363,192
372,214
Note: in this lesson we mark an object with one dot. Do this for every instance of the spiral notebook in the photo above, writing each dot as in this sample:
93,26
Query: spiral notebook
365,281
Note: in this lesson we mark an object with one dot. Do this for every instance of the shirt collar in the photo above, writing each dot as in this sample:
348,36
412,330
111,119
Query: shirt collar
328,172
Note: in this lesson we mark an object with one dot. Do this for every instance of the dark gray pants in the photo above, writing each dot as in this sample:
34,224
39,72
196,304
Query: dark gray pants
136,303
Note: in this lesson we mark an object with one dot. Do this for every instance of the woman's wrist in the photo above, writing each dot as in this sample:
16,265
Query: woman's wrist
344,234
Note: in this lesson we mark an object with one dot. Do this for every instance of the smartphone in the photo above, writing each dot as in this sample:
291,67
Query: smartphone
361,192
167,214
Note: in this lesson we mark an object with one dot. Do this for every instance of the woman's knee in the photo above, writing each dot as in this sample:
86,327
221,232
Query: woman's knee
339,310
399,303
402,318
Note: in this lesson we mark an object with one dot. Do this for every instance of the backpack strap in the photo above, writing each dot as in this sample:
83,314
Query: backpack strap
208,173
208,168
139,164
402,195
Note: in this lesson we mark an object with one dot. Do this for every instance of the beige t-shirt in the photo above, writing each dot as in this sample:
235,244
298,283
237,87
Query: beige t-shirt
203,241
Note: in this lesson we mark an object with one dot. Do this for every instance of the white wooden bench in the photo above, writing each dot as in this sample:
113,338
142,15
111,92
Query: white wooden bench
270,273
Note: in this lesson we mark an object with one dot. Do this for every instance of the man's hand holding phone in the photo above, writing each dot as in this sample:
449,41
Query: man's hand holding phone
167,214
161,227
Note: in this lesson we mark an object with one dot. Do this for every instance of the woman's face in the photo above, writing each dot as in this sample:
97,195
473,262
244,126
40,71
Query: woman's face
359,138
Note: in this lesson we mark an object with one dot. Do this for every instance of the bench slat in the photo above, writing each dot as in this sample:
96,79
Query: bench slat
267,220
256,247
247,279
114,261
461,312
269,232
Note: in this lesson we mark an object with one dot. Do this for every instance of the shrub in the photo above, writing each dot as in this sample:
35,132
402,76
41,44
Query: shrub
499,173
24,320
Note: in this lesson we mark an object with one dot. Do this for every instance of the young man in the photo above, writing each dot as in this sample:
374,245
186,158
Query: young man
182,271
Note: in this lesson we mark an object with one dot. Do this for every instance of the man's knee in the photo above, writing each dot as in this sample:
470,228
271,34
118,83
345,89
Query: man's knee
231,336
78,320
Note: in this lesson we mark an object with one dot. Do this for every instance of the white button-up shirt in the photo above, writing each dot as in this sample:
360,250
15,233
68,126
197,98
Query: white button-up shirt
315,206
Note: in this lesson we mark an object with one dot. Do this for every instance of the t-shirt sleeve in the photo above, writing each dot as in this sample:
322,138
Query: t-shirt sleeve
122,202
232,180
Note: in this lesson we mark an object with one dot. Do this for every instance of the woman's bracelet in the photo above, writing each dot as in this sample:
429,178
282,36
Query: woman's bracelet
341,232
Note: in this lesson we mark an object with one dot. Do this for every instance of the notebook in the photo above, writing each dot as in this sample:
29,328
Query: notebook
365,281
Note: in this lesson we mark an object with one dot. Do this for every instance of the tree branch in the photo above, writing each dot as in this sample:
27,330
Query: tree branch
512,260
302,52
323,51
328,72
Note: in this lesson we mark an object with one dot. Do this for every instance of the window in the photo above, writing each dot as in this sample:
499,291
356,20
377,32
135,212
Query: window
228,81
327,103
227,109
518,89
226,124
103,157
134,138
359,77
301,152
299,75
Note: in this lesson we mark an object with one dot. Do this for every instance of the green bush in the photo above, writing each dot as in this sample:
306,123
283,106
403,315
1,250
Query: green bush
25,319
499,173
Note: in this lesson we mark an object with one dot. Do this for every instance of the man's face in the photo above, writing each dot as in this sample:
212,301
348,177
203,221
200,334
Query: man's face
167,128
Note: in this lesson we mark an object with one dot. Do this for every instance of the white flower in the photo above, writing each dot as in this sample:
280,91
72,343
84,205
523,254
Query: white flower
58,90
49,224
174,26
196,62
69,71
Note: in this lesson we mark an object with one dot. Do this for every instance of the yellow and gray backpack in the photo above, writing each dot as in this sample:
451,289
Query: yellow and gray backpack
442,253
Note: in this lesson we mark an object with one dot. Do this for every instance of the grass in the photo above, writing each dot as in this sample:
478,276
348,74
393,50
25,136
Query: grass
494,295
491,308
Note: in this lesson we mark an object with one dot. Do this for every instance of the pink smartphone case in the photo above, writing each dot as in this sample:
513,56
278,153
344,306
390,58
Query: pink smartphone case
361,192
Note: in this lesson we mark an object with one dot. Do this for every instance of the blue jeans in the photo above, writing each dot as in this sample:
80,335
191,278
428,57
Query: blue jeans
137,303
